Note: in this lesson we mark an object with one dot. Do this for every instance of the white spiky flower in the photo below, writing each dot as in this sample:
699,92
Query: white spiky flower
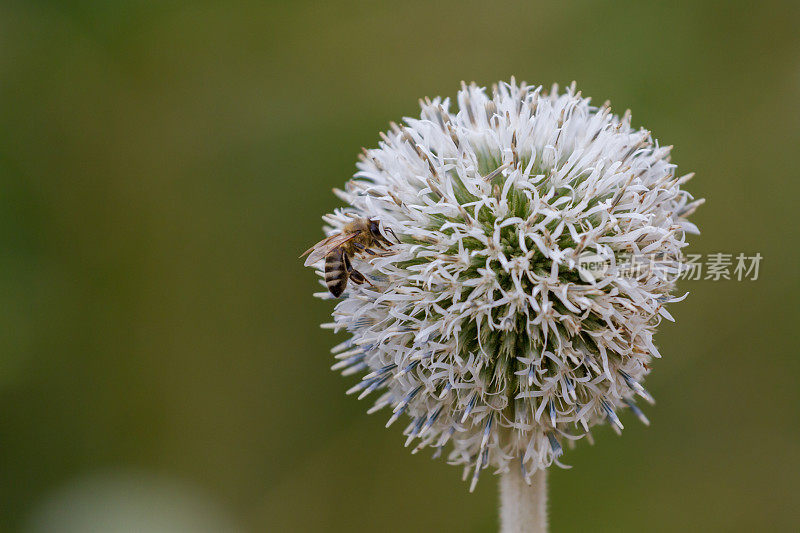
484,325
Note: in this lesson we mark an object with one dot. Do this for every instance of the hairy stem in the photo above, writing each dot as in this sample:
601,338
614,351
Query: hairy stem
523,507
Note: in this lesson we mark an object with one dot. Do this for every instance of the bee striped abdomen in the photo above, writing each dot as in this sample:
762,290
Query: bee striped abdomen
335,272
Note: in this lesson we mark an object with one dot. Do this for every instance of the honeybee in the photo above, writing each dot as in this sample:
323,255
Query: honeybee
362,235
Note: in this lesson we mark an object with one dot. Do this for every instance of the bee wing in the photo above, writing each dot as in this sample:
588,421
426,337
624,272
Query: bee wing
325,246
320,243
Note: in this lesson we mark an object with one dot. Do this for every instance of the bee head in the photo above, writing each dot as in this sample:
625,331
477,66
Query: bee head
375,228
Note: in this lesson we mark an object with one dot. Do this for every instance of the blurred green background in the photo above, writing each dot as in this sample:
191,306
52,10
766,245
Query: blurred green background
164,163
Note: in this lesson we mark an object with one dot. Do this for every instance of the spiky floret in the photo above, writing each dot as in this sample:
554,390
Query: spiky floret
485,327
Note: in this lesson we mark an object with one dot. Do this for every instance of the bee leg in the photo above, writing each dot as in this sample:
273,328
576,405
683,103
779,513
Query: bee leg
360,278
355,276
389,230
385,252
364,249
361,248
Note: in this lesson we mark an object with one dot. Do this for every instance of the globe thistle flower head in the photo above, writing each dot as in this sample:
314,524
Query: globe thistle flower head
486,327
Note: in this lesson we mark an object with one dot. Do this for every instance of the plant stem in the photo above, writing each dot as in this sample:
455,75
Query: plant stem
523,507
